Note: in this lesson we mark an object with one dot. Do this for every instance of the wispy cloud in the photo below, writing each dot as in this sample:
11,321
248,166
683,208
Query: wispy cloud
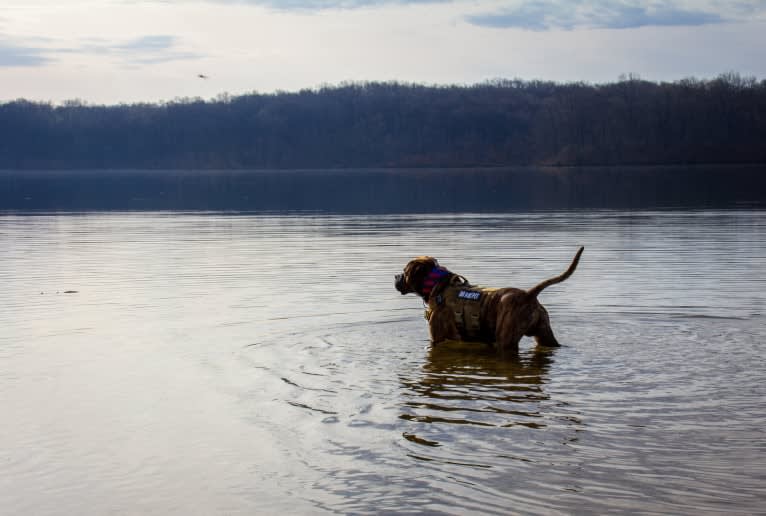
150,49
15,55
541,15
143,50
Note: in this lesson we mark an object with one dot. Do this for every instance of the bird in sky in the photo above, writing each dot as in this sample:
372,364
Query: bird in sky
203,76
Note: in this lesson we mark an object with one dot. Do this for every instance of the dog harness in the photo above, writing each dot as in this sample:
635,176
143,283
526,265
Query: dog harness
464,301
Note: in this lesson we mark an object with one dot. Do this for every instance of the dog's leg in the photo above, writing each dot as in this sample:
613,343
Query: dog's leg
442,326
508,343
542,332
508,333
545,337
514,312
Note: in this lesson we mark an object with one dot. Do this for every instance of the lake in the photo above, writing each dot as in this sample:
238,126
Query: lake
388,191
234,363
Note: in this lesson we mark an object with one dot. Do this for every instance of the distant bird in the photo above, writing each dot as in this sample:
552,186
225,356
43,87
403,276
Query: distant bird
203,76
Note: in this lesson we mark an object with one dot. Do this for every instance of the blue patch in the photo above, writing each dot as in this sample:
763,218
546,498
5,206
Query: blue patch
469,294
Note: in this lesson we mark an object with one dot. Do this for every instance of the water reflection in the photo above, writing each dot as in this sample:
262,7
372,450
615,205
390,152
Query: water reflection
458,386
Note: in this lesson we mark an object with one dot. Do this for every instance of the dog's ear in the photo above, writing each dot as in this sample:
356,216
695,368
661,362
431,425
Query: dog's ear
417,270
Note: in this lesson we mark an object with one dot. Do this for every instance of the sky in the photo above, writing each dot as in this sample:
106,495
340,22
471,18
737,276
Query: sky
125,51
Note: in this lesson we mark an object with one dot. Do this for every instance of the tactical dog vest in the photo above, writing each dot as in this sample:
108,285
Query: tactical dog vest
464,301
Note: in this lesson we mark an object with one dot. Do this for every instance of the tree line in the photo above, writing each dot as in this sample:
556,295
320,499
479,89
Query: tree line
391,124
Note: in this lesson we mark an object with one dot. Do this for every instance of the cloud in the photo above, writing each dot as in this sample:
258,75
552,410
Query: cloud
541,15
14,55
157,43
530,15
631,17
150,49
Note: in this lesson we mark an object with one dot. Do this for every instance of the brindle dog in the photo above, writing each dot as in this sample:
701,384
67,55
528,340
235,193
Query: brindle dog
505,314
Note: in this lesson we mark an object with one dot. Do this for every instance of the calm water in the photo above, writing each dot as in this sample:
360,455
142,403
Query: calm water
245,364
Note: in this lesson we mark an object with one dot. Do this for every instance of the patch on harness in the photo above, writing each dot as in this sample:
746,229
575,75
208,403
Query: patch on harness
470,295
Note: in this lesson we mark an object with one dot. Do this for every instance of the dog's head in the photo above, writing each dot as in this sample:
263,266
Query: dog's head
415,274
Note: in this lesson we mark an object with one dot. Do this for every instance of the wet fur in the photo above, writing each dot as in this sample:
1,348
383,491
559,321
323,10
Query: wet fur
506,314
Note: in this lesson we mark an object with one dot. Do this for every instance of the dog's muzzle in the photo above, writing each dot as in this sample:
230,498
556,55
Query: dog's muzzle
399,283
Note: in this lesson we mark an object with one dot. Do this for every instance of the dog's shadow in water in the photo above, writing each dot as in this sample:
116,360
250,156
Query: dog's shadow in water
478,387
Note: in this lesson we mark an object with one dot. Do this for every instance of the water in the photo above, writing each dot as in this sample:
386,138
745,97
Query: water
390,190
239,364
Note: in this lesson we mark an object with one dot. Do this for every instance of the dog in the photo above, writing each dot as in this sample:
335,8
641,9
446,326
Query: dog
459,311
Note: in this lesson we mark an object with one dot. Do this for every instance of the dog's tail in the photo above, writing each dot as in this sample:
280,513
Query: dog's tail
558,279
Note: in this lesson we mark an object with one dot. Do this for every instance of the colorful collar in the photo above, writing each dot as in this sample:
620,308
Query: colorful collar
434,277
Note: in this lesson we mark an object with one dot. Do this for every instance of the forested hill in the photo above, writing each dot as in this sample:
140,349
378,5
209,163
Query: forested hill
403,125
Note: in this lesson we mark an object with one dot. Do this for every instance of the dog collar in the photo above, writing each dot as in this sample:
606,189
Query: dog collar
434,277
